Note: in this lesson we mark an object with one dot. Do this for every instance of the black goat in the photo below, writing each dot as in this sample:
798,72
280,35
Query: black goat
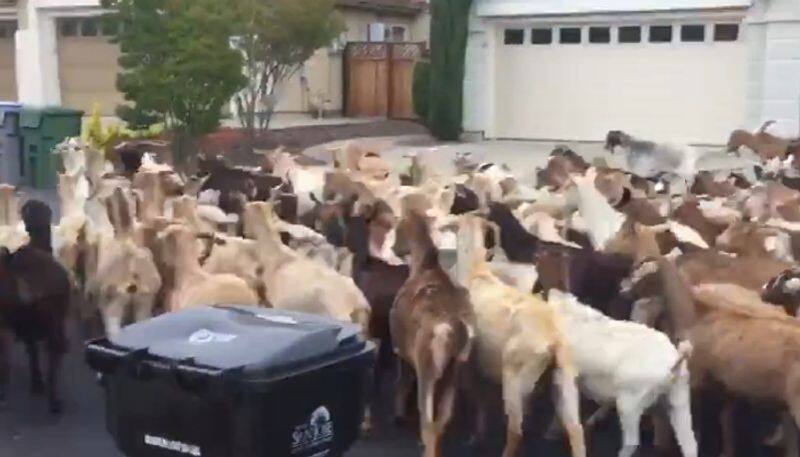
34,302
593,277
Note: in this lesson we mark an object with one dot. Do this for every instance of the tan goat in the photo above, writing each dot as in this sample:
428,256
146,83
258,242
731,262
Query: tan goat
324,292
193,286
519,335
126,275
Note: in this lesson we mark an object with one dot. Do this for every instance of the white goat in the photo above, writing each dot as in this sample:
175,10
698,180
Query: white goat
603,222
13,234
630,365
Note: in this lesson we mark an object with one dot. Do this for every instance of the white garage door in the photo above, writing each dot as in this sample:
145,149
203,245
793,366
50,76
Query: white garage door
8,78
680,81
88,67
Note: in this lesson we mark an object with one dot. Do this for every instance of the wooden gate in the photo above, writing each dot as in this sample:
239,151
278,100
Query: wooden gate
378,79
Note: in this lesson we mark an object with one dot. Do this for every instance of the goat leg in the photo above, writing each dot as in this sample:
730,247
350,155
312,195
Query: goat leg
569,406
37,384
790,436
5,362
598,416
143,305
727,424
630,414
405,382
54,357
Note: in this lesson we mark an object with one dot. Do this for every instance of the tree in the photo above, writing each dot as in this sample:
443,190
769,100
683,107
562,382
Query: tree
449,29
276,37
177,62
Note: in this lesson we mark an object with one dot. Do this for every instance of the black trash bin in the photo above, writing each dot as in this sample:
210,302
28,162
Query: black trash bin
234,382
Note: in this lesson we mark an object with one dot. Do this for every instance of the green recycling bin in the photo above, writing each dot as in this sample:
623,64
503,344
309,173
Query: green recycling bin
41,130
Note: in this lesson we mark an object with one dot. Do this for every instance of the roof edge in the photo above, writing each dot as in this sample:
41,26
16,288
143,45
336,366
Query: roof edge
586,7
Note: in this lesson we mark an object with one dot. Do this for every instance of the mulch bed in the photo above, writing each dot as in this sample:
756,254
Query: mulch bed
230,142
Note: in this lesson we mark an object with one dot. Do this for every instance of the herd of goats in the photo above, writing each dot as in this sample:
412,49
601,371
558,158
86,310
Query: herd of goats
632,290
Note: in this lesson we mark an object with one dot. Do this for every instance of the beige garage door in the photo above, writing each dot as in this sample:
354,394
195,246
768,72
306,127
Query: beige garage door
8,76
87,64
673,81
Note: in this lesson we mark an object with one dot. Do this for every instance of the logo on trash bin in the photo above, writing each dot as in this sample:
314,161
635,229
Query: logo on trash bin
207,336
317,432
172,445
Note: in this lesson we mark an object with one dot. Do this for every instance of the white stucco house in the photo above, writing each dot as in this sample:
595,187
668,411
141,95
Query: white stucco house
687,70
56,52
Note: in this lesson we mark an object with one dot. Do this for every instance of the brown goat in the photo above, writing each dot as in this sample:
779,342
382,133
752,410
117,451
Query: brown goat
432,326
741,344
710,267
750,239
705,184
765,145
689,214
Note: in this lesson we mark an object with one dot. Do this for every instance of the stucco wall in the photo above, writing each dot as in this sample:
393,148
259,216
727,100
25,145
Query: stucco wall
324,69
771,31
774,67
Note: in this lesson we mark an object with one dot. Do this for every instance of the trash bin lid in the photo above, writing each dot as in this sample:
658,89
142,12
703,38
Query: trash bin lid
32,117
262,342
8,107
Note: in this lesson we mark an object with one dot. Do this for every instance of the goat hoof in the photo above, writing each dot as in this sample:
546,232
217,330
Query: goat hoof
56,407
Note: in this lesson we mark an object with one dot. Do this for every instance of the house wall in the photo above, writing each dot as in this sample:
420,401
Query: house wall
39,76
774,67
324,71
771,30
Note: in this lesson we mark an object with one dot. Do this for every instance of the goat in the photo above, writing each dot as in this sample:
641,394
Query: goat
233,255
518,338
595,277
195,286
331,294
705,184
126,275
728,331
649,159
750,239
628,364
35,295
562,163
764,144
13,234
690,215
432,326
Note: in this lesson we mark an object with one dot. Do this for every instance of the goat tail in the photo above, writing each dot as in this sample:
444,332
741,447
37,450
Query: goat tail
685,350
766,125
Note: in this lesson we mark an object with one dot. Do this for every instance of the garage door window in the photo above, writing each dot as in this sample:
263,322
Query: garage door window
7,29
693,33
726,32
541,36
661,34
514,36
69,27
630,34
89,27
570,35
599,35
